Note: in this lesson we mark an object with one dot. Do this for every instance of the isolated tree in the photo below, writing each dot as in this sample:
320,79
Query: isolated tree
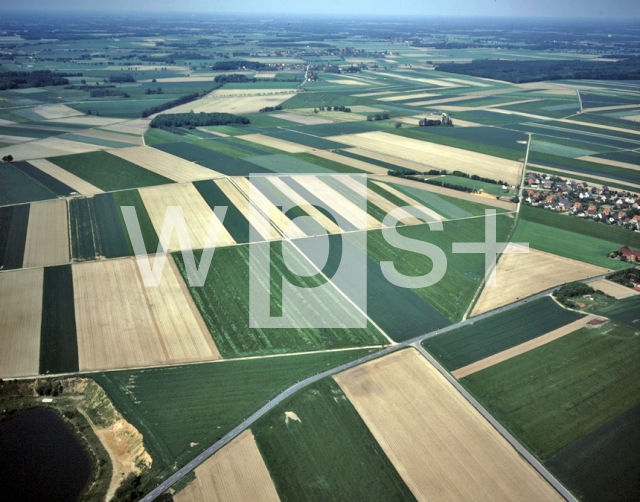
83,81
7,158
398,125
88,112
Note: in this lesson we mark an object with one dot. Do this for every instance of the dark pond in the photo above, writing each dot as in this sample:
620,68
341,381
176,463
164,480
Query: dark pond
41,459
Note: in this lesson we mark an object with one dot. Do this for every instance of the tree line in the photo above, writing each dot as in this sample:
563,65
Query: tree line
187,98
38,78
192,120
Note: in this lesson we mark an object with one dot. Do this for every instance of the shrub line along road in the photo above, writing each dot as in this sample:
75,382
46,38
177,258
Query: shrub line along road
415,342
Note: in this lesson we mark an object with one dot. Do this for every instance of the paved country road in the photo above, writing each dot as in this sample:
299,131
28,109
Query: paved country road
414,342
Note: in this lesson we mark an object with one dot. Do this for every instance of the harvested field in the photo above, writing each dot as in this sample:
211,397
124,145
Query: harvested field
352,213
236,101
521,275
47,235
402,97
121,323
55,111
47,147
280,144
431,81
347,161
488,201
165,164
346,82
436,156
390,159
612,289
429,214
14,139
420,420
110,136
20,319
522,348
137,126
197,213
236,472
300,119
64,176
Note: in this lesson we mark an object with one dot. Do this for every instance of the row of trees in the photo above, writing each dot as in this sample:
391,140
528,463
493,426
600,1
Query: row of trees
335,109
378,116
191,120
176,102
38,78
270,109
118,78
108,93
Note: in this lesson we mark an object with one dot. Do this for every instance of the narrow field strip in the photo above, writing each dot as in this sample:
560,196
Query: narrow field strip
165,164
441,446
348,161
20,321
389,159
430,215
110,136
197,213
47,240
133,326
609,162
64,176
280,144
236,472
522,348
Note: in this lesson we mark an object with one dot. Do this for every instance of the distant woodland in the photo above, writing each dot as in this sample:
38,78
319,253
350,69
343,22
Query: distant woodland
24,79
536,71
191,120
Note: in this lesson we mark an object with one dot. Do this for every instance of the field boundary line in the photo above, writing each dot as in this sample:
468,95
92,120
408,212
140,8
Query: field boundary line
579,99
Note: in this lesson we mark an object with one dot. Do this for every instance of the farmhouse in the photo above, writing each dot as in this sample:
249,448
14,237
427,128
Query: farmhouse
629,254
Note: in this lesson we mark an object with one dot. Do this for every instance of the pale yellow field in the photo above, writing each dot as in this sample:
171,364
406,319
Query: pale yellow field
436,156
472,83
522,275
608,162
20,317
440,445
197,213
137,126
408,96
431,81
234,473
47,147
378,200
259,200
342,206
613,289
348,161
280,144
14,140
47,240
391,159
55,111
522,348
78,184
165,164
429,214
634,118
265,75
123,324
235,101
111,136
346,82
294,197
302,119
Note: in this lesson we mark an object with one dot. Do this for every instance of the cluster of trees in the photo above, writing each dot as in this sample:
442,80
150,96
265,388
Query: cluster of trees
236,65
118,79
48,387
234,77
474,177
270,109
378,116
571,290
88,88
627,277
7,158
453,186
429,122
39,78
535,71
192,120
187,98
404,173
335,109
153,91
108,93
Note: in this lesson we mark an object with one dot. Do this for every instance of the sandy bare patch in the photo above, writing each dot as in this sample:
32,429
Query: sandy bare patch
439,443
165,164
280,144
123,324
433,155
55,111
348,161
519,275
522,348
608,162
342,206
402,97
47,147
613,289
197,213
237,472
290,415
14,140
302,119
64,176
47,240
456,194
20,317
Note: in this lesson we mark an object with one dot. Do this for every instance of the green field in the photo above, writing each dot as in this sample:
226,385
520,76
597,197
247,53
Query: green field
554,395
568,244
108,172
626,311
306,139
126,109
212,398
329,454
554,148
14,221
16,187
83,229
44,179
224,304
603,465
486,337
132,198
283,164
58,343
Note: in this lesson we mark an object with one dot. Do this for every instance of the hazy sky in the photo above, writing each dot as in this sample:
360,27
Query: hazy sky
629,9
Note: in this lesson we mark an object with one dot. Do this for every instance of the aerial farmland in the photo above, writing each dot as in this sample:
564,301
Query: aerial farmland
243,258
